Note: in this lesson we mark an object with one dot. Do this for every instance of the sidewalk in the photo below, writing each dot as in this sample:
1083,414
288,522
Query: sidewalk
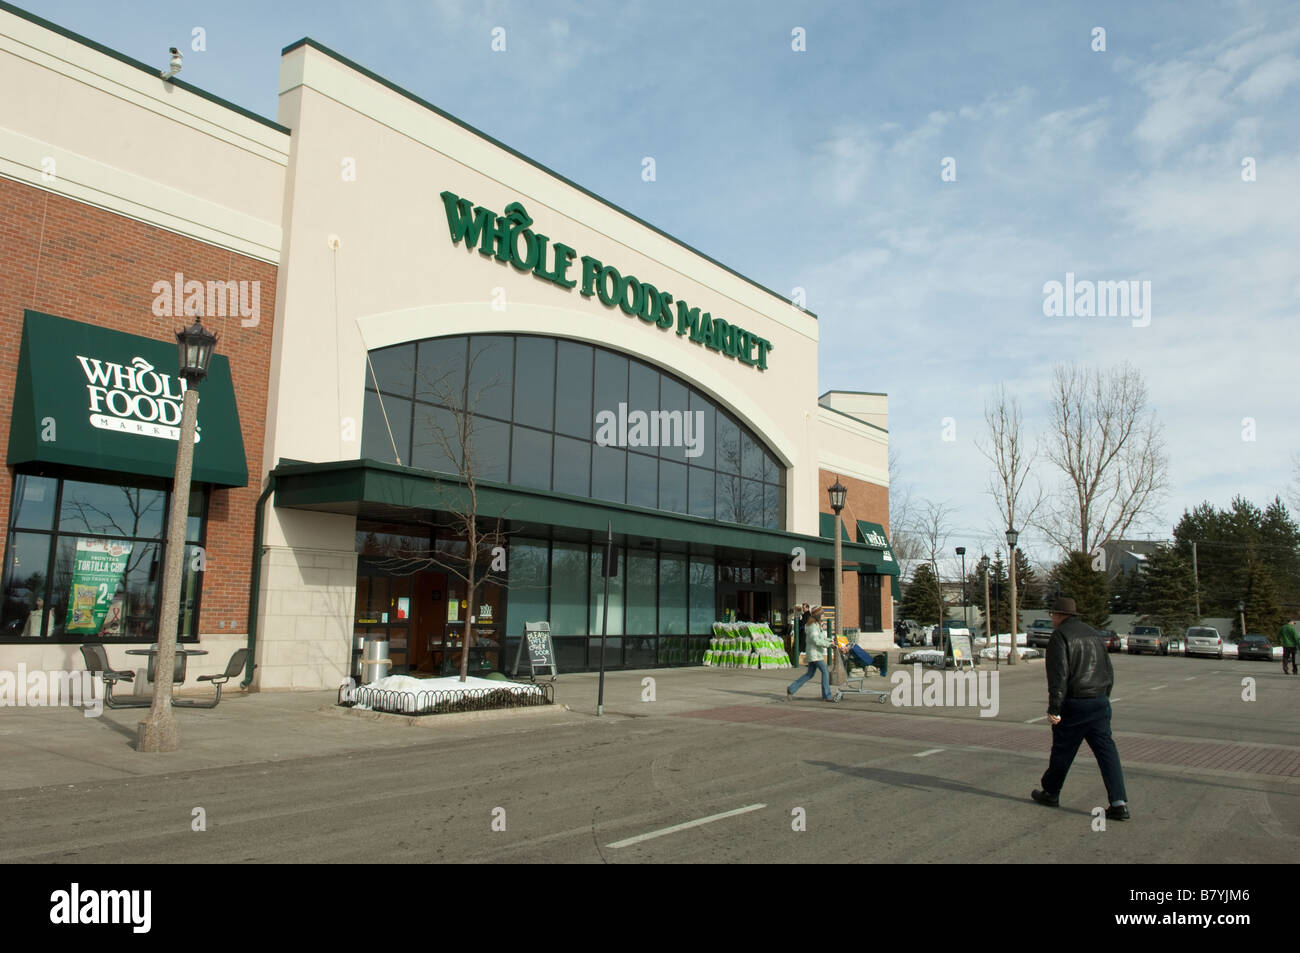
53,746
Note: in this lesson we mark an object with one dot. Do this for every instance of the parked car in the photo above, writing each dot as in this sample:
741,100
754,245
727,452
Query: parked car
1039,633
1111,639
908,632
1147,638
1203,640
1255,646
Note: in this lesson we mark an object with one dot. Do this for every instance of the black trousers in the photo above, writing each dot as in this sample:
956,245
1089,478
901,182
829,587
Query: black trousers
1288,655
1084,719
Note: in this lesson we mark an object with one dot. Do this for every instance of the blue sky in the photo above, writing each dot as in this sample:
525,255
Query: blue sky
821,169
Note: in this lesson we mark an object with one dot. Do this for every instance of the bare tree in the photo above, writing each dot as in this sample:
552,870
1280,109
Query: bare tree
1009,450
1294,491
933,530
1108,445
902,520
479,546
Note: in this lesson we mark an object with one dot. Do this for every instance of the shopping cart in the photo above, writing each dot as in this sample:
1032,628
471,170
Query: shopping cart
857,655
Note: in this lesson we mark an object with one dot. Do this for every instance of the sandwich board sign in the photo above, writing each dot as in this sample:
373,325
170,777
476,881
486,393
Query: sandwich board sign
541,651
960,650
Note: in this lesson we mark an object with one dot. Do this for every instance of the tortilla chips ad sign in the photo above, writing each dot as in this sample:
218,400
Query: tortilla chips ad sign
98,571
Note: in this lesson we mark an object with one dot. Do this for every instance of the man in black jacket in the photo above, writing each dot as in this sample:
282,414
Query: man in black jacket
1079,679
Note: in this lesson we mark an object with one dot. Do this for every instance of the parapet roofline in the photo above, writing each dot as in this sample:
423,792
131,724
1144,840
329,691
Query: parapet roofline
424,103
153,71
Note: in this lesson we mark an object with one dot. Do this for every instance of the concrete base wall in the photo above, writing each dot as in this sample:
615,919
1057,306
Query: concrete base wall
305,618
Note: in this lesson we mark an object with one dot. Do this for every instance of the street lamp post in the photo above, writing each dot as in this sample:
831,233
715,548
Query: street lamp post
1241,610
1012,537
965,616
984,571
158,732
838,493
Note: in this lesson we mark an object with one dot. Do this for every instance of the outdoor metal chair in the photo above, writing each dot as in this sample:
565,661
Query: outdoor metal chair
96,659
178,669
233,668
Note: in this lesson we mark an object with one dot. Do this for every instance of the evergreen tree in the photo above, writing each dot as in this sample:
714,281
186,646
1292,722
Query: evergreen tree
921,597
1263,614
1168,597
1127,592
1029,589
1074,578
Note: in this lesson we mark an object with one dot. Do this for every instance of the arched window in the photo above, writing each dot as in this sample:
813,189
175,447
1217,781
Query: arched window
569,417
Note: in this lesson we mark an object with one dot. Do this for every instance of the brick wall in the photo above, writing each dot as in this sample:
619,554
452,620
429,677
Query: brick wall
76,261
864,501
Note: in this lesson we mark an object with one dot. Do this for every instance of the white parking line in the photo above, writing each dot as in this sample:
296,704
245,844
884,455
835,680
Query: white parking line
1029,722
924,754
1189,678
681,827
1112,701
1156,688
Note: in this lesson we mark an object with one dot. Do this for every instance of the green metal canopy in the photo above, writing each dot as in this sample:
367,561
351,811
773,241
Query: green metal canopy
93,397
374,490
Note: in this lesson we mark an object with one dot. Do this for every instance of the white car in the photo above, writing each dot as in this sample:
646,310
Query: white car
1203,640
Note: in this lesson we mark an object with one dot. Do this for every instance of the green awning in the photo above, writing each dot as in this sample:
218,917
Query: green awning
881,560
373,490
92,397
826,527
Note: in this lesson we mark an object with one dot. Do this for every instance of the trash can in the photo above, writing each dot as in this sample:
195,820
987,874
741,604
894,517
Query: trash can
358,649
375,663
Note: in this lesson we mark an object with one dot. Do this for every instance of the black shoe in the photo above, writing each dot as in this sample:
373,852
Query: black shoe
1045,799
1117,812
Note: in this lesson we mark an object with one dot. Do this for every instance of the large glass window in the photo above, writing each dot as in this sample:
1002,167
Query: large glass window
565,416
672,594
83,561
598,592
535,382
569,589
703,595
642,589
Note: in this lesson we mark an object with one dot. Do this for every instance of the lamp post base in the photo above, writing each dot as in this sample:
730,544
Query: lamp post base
157,735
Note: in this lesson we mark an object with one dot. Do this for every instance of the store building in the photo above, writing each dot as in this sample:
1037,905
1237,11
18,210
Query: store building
418,282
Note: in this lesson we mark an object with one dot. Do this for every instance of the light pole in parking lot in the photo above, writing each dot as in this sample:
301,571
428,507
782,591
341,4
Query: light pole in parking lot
984,571
965,616
1241,611
1012,537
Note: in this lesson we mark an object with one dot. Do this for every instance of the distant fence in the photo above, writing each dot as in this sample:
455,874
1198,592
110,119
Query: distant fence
446,702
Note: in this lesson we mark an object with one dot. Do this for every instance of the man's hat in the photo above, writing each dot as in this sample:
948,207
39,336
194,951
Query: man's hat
1064,606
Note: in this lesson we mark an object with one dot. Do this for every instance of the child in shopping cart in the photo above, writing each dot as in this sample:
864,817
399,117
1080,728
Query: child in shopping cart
856,655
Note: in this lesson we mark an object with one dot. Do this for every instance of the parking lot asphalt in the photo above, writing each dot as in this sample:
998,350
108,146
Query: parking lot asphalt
291,777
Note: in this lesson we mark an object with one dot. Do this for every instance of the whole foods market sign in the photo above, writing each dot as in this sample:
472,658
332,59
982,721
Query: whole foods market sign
510,238
134,398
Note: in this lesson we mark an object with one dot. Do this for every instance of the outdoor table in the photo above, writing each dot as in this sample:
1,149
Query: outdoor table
178,670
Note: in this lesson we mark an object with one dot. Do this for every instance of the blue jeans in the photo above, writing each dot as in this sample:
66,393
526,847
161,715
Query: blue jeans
1084,719
802,680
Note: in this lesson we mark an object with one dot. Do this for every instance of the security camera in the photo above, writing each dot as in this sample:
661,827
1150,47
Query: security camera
175,66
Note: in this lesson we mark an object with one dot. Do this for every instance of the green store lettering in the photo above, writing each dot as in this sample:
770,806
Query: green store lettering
509,238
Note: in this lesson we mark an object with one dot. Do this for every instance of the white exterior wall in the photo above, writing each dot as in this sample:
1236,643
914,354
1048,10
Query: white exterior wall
852,448
400,277
161,154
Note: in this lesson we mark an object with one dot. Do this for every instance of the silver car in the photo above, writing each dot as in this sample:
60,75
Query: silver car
1203,640
1147,638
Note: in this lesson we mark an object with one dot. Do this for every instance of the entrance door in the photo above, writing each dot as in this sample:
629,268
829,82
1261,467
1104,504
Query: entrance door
428,621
